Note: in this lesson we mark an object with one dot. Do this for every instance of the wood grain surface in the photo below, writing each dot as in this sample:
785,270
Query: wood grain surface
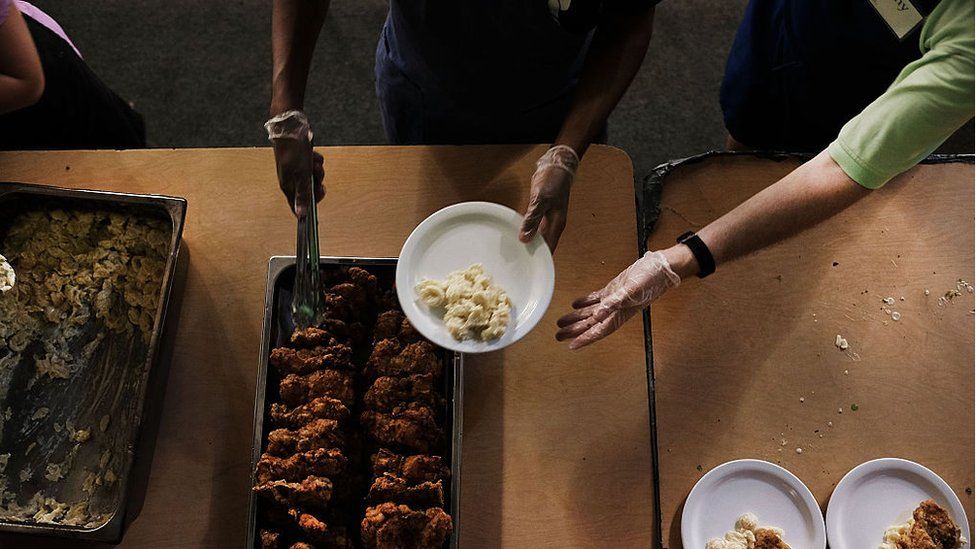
556,444
735,353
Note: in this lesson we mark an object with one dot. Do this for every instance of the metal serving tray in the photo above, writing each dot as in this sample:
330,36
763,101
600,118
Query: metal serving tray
277,330
115,385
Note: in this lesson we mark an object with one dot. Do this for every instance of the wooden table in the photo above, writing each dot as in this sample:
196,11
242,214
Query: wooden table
745,361
556,444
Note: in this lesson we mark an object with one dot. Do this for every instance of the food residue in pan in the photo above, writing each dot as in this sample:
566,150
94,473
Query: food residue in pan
86,281
7,275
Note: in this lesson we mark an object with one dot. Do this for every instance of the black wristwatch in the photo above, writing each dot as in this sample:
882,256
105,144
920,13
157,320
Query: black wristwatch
706,263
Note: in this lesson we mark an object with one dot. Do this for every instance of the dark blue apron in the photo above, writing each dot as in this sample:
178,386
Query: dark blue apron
800,69
476,71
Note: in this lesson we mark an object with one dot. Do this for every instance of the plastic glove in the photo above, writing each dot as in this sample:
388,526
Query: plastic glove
549,196
602,312
296,162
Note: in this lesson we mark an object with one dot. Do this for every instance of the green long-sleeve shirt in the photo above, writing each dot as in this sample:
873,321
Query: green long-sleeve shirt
930,99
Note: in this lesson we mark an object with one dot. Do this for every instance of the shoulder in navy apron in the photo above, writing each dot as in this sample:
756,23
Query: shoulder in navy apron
800,69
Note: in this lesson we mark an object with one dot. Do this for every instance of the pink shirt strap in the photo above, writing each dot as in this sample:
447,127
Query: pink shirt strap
44,19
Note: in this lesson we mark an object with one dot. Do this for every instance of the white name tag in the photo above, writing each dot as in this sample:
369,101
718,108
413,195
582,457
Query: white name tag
900,15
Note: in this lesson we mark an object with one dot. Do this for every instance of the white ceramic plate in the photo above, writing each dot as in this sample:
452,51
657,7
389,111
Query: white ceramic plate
476,232
770,492
882,493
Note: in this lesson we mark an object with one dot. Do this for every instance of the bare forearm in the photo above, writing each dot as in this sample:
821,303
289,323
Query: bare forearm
295,27
21,74
616,52
807,196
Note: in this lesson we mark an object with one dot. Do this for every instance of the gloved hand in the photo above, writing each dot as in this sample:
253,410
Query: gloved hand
602,312
549,196
291,136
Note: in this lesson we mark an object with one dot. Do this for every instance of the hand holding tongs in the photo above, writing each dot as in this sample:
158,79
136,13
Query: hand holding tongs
292,139
307,296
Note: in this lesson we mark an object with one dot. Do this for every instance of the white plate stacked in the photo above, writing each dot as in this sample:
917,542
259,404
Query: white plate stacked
870,498
773,494
882,493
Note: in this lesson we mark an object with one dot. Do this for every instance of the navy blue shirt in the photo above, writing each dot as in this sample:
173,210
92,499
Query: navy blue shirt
510,54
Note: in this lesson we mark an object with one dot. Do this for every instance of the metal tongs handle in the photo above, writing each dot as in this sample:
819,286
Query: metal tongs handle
307,297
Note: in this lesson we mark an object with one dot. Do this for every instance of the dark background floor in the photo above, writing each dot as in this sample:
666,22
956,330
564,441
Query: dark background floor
200,71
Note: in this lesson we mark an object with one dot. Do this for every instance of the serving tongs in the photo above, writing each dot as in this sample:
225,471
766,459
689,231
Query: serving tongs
306,301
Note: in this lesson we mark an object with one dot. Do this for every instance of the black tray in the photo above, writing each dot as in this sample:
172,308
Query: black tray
278,329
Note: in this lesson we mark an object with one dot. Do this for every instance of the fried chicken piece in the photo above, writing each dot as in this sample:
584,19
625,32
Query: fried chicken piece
379,359
932,529
296,389
318,408
319,531
358,298
412,426
387,392
364,279
769,539
409,334
335,306
330,332
394,325
389,358
303,361
388,325
414,469
270,539
314,492
321,462
391,526
301,545
320,433
397,490
417,358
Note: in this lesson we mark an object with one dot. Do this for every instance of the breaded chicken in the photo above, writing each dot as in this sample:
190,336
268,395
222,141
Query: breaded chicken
414,469
391,526
318,408
320,433
387,392
270,539
394,325
364,279
329,333
314,492
389,358
416,358
932,529
335,307
358,299
296,389
388,325
379,359
397,490
322,462
769,539
413,426
305,361
318,531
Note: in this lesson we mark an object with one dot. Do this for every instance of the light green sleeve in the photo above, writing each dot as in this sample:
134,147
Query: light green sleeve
930,99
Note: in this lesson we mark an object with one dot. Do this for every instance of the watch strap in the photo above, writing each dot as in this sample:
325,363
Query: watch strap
706,263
